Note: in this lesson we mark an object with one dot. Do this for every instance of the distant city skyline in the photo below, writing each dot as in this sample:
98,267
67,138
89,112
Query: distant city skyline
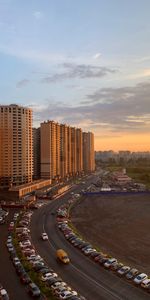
83,63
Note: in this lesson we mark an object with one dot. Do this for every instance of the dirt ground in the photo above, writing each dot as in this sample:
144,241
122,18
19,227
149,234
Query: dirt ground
117,225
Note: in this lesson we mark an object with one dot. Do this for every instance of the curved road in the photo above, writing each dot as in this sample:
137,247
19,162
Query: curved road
82,274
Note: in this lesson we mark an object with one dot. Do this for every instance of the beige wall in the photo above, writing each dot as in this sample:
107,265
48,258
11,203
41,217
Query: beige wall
16,145
50,149
88,152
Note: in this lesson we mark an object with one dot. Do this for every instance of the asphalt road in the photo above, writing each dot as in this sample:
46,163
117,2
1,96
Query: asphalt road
82,274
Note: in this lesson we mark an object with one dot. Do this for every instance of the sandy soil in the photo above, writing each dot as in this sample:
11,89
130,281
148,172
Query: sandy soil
117,225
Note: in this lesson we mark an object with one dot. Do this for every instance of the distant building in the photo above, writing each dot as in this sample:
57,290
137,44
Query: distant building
16,165
88,152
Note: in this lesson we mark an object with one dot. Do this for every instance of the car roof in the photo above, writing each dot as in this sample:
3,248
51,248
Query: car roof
3,292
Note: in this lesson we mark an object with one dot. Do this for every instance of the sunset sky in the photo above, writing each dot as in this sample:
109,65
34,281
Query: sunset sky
85,63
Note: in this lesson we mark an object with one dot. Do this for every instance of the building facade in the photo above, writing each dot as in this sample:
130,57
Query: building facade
88,152
16,150
79,150
62,151
36,153
50,150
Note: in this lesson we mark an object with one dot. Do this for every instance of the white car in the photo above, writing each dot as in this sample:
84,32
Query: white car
141,277
89,250
44,236
34,257
58,284
4,294
67,294
109,262
145,283
61,289
123,270
46,276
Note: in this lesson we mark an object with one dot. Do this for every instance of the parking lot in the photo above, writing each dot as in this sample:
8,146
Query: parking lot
118,225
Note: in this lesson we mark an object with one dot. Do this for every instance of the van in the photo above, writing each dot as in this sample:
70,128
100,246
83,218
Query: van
62,256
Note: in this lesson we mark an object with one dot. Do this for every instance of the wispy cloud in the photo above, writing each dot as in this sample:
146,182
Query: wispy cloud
22,83
78,71
38,15
97,55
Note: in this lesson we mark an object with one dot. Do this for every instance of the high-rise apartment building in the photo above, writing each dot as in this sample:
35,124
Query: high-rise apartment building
15,145
50,150
88,152
73,151
63,150
69,167
36,153
79,150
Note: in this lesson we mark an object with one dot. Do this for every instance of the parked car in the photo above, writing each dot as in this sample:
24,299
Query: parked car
4,295
94,254
123,270
145,283
132,273
109,262
24,278
57,284
33,290
139,278
67,294
88,251
46,276
116,266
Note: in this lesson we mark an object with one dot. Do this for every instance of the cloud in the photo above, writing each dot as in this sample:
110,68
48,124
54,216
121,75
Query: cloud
38,15
97,55
120,111
142,74
82,71
22,83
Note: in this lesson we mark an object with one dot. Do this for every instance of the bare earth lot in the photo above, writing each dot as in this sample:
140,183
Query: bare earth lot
117,225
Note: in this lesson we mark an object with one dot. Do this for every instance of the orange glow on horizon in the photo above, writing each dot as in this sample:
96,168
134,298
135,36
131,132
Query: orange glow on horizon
136,142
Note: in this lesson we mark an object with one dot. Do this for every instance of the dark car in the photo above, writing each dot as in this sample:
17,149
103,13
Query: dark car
20,270
72,238
102,260
94,254
86,247
77,242
52,280
44,270
38,266
33,290
24,278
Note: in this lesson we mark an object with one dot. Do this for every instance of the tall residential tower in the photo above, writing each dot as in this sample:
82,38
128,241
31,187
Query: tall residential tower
15,145
88,152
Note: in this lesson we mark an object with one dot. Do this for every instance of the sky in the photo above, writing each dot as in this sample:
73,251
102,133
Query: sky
85,63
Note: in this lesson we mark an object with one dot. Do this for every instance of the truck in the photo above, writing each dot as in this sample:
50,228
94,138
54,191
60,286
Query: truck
62,256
